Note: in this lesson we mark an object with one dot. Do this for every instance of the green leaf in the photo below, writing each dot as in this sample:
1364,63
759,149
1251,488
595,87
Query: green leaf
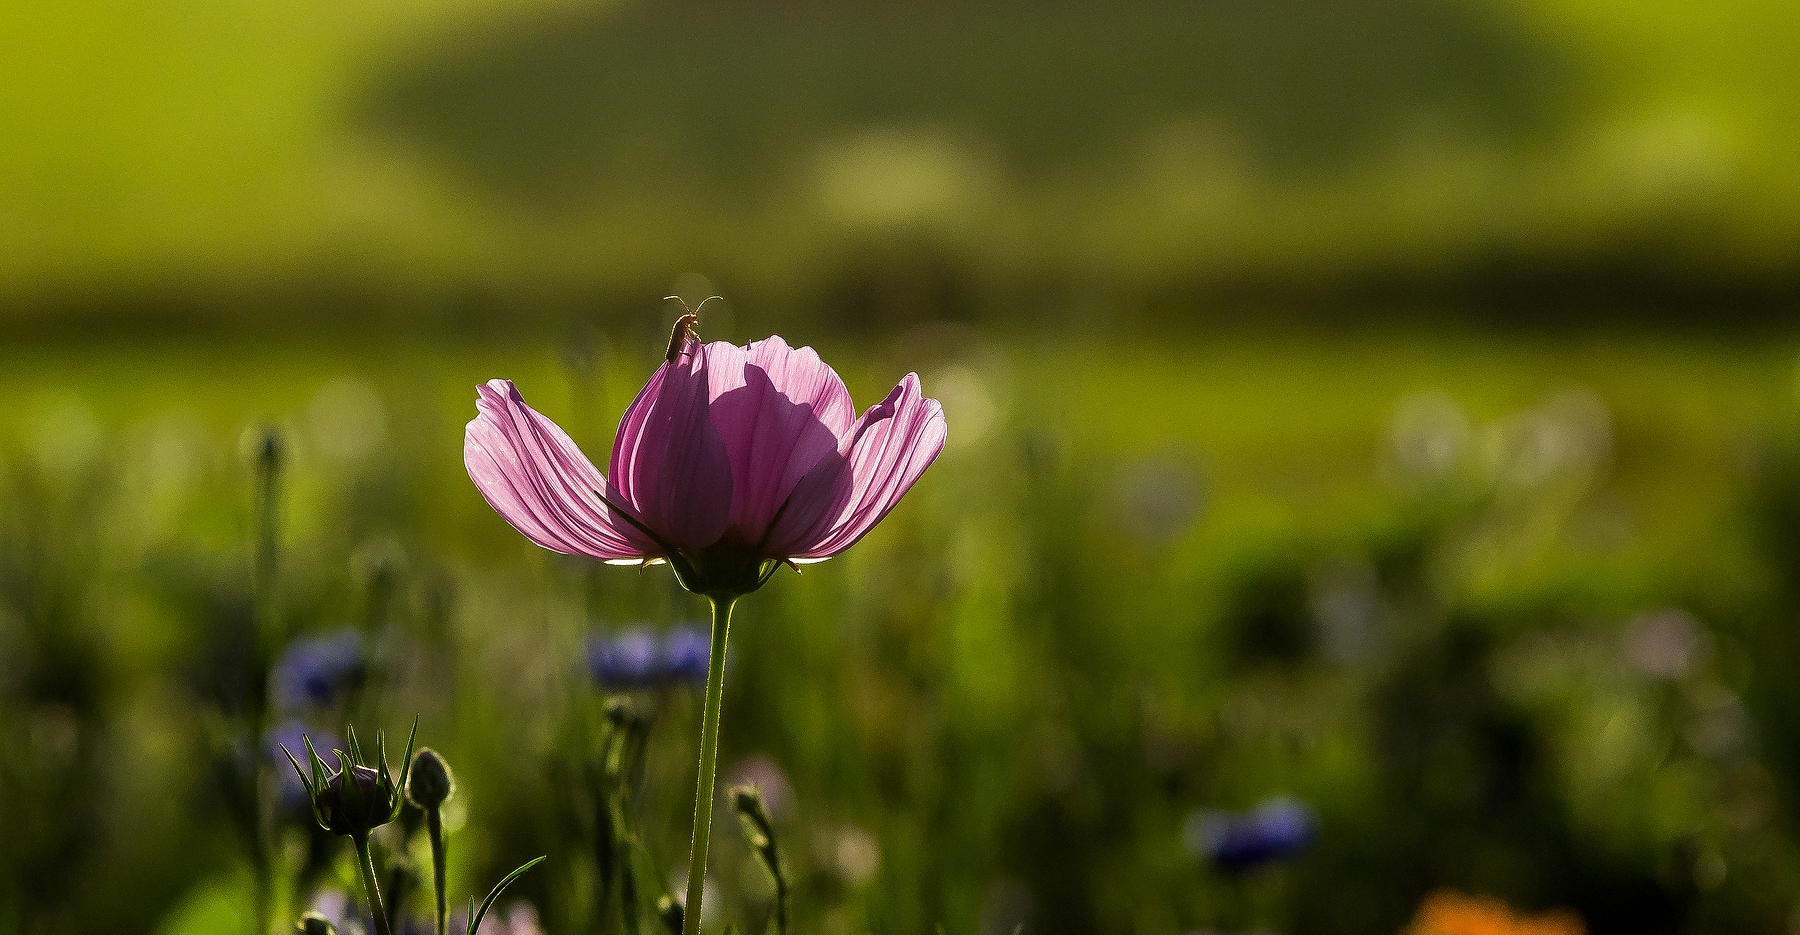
476,917
321,772
405,765
312,799
303,780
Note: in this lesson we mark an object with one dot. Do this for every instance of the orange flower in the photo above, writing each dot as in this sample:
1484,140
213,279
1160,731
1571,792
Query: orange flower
1449,913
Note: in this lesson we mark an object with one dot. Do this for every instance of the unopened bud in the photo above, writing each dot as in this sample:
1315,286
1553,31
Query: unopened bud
746,802
430,783
620,711
359,796
670,912
263,445
356,799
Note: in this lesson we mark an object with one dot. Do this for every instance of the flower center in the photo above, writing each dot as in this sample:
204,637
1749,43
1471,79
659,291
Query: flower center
728,568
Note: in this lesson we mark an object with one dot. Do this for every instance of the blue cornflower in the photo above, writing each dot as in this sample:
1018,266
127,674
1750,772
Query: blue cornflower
1279,829
623,660
638,659
291,793
685,652
318,670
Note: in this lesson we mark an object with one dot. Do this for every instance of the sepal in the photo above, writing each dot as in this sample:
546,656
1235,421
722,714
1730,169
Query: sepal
359,795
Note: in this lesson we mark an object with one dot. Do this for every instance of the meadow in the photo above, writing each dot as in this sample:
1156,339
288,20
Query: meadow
1369,504
1505,615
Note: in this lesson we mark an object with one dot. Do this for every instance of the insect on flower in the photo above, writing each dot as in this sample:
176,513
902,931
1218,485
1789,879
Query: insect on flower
684,328
731,462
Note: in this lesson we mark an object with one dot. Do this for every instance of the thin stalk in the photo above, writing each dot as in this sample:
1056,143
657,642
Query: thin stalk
368,874
262,876
265,564
781,892
709,760
628,898
440,848
262,595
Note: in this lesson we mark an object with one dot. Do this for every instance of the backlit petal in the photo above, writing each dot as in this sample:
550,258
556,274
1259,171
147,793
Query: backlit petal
893,443
669,463
783,414
534,476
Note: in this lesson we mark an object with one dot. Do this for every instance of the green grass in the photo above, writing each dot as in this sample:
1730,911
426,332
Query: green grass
1018,682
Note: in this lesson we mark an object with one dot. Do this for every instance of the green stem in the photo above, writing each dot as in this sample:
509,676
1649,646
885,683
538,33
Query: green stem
262,609
628,898
265,565
260,871
368,872
781,898
434,826
709,760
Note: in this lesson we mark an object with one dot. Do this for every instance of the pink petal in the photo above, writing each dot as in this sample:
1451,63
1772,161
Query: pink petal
783,414
534,476
669,463
894,442
820,500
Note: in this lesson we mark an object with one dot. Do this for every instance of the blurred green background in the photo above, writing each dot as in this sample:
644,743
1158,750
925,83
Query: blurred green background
1389,405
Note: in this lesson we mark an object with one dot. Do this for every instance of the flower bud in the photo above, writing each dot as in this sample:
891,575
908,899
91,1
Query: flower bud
263,445
620,712
670,912
360,795
759,833
746,801
356,799
315,924
430,783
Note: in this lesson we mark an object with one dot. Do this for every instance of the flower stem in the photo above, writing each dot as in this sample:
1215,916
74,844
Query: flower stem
260,872
434,827
264,568
368,872
709,760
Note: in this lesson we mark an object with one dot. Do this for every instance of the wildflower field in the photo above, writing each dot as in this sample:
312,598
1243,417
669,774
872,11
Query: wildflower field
1253,634
1134,468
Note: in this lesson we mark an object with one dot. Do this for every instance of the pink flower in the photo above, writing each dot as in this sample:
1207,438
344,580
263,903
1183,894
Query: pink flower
731,460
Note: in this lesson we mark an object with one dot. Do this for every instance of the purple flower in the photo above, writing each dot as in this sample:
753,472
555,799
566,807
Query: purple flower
1278,829
318,670
685,651
730,459
637,659
624,660
358,795
291,793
